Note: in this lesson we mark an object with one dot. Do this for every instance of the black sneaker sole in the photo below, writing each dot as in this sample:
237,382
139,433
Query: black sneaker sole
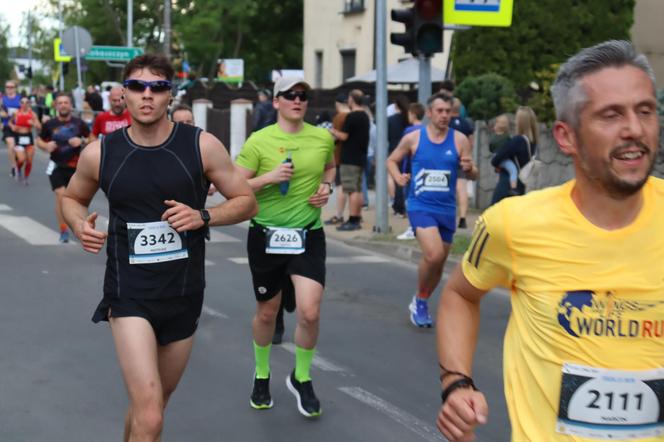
302,411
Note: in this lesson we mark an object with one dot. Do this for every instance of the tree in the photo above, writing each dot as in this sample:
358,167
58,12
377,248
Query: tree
202,32
6,67
543,33
487,95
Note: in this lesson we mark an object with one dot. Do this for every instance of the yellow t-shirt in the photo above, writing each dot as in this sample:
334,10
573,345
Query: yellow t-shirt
585,301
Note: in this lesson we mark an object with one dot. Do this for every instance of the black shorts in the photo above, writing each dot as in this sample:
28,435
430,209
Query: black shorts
271,273
7,133
60,177
172,319
337,177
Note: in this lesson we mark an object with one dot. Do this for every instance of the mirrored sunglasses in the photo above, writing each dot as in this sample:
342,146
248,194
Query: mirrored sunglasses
157,86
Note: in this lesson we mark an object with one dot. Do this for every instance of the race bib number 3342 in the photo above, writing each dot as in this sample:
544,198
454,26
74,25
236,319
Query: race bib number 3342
155,242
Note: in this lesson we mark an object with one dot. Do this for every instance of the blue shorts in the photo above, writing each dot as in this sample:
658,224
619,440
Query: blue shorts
446,223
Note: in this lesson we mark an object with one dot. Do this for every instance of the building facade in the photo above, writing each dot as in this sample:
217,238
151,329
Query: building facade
646,34
339,40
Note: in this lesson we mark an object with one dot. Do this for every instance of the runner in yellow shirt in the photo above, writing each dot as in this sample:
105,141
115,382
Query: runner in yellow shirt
584,347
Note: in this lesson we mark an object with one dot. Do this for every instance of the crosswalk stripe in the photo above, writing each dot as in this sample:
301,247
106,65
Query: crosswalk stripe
5,208
239,260
331,259
217,236
209,263
318,361
30,230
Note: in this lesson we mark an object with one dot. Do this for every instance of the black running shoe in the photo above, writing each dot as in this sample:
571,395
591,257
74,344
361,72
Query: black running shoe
260,397
462,223
307,402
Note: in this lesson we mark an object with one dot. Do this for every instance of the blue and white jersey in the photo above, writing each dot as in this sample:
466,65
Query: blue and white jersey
434,175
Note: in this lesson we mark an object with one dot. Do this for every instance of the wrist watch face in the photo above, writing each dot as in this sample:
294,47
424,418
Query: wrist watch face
205,216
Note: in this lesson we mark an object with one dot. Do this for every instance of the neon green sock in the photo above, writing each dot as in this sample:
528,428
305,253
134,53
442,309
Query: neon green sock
303,359
262,355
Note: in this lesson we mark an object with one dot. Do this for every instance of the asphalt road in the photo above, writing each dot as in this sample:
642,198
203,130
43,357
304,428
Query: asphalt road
376,375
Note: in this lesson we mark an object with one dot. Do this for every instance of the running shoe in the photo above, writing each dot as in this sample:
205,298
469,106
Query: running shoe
419,313
462,223
334,220
64,236
307,403
260,396
349,226
408,234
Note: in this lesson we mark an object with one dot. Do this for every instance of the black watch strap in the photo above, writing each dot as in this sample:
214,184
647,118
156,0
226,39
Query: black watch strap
329,184
205,216
464,382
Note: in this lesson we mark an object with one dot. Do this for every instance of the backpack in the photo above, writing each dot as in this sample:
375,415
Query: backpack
530,173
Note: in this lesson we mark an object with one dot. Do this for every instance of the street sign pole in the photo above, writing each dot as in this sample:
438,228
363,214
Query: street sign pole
62,71
424,87
78,57
382,225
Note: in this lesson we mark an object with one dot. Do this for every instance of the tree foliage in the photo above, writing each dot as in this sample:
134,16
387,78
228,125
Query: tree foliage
5,65
487,95
543,33
202,31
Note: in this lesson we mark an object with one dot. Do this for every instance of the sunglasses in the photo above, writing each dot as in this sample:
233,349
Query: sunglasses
10,86
157,86
292,95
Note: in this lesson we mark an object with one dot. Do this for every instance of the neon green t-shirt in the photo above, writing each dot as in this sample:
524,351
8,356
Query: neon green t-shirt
584,347
311,149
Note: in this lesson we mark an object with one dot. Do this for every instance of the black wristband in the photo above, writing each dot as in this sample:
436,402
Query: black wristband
329,185
464,382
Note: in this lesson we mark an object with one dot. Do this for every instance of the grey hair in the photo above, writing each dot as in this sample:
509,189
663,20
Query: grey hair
568,93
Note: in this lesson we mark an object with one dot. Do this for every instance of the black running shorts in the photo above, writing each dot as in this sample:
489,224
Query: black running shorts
60,177
271,273
172,319
7,133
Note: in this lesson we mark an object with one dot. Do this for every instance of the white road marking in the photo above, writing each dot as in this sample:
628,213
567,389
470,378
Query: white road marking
217,236
209,263
5,208
318,361
402,417
331,260
30,230
212,312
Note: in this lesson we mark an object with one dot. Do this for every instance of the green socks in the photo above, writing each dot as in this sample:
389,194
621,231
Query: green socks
303,358
262,355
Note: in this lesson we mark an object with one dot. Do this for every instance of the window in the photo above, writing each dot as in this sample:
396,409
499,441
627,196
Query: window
347,63
351,6
318,79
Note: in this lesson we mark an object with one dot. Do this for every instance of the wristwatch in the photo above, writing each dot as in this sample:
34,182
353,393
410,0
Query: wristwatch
205,216
329,184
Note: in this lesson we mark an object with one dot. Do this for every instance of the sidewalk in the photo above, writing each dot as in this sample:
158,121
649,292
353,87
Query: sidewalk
387,243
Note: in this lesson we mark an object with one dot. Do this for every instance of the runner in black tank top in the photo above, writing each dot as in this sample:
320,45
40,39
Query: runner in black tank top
136,197
155,175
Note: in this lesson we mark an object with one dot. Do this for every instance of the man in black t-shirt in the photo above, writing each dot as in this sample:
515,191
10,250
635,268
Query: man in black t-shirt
63,137
354,136
465,127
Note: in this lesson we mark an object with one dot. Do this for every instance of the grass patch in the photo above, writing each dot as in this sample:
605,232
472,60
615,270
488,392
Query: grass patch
459,244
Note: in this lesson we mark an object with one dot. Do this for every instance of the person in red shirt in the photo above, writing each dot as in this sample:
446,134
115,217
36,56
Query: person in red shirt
21,123
113,119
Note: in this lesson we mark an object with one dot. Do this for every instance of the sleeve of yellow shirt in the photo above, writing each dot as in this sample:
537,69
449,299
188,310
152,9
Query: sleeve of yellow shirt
248,156
488,261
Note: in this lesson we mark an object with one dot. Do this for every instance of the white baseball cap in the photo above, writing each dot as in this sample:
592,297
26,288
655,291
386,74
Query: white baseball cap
285,83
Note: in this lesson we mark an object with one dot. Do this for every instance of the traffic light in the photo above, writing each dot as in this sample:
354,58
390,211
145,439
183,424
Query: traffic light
405,39
424,27
428,26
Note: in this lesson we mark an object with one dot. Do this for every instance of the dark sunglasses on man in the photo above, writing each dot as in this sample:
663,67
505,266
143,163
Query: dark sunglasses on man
292,95
157,86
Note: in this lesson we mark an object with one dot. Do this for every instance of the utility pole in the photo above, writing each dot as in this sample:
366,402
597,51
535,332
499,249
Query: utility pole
130,23
30,52
382,225
62,72
167,28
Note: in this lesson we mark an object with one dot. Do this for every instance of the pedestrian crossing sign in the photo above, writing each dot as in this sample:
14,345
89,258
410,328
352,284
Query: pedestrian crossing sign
478,12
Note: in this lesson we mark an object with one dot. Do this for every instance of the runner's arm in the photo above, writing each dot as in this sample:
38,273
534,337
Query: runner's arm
78,194
456,330
240,201
319,199
282,172
466,155
403,149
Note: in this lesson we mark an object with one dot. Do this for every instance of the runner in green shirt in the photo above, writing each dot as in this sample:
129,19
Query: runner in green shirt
290,166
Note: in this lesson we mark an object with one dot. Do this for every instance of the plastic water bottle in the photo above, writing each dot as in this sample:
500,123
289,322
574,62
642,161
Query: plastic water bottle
283,186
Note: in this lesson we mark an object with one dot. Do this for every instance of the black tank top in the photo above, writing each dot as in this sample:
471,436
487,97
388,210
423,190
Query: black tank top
136,181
